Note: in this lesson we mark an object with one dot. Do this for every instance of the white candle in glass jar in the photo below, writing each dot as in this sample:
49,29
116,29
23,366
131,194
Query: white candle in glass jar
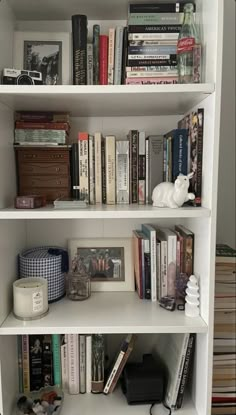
30,298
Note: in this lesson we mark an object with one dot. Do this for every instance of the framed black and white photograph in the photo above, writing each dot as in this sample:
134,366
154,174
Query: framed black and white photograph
108,262
48,53
44,57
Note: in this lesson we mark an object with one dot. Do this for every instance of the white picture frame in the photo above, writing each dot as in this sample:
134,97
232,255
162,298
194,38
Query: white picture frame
76,246
65,38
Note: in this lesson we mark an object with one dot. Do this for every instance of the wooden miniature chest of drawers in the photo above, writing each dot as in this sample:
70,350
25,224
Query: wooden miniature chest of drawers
43,171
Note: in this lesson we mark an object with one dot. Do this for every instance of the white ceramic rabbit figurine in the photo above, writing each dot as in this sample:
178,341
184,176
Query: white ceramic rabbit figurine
173,195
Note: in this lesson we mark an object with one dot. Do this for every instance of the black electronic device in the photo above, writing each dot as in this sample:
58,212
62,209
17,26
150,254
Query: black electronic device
144,383
21,77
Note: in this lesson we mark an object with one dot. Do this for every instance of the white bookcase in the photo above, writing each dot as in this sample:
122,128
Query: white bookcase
110,109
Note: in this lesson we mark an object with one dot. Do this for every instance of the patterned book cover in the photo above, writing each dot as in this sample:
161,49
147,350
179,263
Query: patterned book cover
36,361
47,361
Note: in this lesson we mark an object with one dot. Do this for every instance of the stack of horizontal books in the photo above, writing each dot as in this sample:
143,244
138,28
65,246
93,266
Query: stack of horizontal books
224,359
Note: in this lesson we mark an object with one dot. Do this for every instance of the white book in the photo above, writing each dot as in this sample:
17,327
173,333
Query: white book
141,167
158,261
171,239
153,74
83,166
89,64
110,157
88,363
150,232
111,55
118,55
153,36
82,363
91,170
122,172
64,364
73,364
98,167
163,264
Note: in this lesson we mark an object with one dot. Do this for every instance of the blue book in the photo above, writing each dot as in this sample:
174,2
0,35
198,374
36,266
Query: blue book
179,151
56,352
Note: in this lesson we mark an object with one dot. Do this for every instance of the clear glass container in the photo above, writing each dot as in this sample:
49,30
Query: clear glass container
78,286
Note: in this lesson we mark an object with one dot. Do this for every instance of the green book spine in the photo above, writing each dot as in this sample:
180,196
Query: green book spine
56,350
20,364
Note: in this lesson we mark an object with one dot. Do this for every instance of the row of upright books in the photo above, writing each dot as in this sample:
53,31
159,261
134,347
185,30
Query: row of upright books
163,261
224,358
41,128
143,52
106,170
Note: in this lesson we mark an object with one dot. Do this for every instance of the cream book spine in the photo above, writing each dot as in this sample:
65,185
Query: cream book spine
122,172
73,364
110,157
98,167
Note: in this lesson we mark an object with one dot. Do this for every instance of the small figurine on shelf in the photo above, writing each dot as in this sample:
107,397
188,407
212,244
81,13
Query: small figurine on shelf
173,195
192,298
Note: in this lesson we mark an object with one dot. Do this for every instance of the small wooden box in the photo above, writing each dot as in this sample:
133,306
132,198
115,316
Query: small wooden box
43,171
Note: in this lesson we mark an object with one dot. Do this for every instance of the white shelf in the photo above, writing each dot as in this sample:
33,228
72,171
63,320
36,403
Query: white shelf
115,404
106,100
105,212
116,312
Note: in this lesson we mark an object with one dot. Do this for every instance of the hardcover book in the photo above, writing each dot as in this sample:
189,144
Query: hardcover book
155,163
73,364
133,177
118,55
186,370
75,171
88,363
124,55
89,64
42,116
155,19
36,361
150,232
179,139
157,7
103,60
82,363
138,266
84,165
111,56
96,34
56,351
141,168
47,361
79,41
122,172
110,155
98,167
64,362
26,363
91,170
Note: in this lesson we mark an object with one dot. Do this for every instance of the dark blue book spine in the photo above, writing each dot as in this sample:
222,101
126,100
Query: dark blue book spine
180,153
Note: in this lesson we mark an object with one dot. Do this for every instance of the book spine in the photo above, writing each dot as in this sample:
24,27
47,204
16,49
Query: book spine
111,56
141,167
118,55
42,117
124,55
82,363
57,136
152,81
145,74
24,125
145,43
64,363
79,41
36,362
181,366
170,157
26,363
147,266
88,363
47,361
158,262
96,34
198,188
188,255
121,367
180,154
20,364
56,352
110,155
171,268
152,50
98,168
133,139
164,158
137,263
83,166
186,370
104,168
113,373
144,19
89,64
91,170
73,364
146,171
103,59
75,171
155,163
157,8
154,32
150,232
122,172
163,268
151,69
153,62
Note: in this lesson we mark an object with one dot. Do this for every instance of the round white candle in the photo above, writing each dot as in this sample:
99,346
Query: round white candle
30,297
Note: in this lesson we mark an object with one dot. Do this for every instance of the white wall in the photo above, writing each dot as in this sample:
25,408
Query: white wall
227,175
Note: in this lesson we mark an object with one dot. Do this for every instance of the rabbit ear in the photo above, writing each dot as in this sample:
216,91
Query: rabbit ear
190,175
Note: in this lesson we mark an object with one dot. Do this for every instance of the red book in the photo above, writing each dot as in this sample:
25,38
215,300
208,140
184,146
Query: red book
103,60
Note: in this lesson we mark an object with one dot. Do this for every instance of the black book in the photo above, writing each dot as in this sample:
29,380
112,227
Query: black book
124,55
177,7
175,28
79,41
133,138
186,370
36,362
47,361
147,272
75,171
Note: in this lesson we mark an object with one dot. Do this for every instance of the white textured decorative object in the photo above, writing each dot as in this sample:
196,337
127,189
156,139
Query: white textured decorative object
173,195
192,298
30,298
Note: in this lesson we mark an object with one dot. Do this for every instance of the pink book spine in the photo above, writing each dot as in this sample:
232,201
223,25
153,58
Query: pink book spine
150,80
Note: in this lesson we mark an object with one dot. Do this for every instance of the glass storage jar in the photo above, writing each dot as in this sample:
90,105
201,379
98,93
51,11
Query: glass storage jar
78,286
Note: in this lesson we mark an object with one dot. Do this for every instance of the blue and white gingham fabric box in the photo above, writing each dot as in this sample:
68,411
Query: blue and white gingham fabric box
40,262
